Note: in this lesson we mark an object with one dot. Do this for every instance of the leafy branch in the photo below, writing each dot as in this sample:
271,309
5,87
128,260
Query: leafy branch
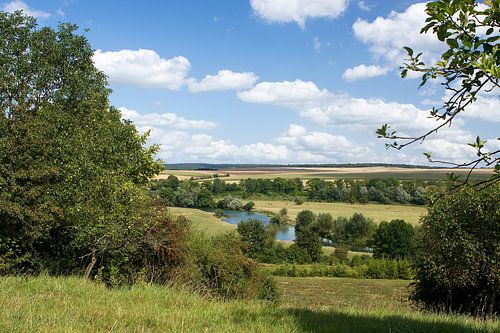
469,66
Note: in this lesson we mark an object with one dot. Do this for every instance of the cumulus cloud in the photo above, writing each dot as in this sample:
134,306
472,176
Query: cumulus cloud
172,120
361,117
292,147
285,11
486,108
364,72
224,80
14,5
285,92
143,68
387,36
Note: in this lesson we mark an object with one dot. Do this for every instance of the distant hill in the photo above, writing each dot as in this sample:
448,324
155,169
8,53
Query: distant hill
215,167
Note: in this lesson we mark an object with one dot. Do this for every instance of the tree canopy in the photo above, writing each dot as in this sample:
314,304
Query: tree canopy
71,170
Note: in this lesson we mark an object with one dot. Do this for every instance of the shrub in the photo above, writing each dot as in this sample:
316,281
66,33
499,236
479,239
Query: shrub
457,265
218,266
298,201
249,205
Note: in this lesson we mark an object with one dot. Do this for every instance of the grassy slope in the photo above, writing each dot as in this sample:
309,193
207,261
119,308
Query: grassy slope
203,221
70,305
377,212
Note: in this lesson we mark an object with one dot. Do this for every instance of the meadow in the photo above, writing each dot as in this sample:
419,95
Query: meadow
69,304
202,221
377,212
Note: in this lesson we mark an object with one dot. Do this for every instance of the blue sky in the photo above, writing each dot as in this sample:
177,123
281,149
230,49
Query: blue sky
269,81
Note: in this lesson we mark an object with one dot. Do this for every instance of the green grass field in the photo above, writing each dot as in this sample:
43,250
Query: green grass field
377,212
203,221
344,293
46,304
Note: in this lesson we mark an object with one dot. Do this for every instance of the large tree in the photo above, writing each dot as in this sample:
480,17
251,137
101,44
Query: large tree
468,69
71,170
458,257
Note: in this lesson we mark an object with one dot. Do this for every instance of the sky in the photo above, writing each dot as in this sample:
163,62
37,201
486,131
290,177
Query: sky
271,81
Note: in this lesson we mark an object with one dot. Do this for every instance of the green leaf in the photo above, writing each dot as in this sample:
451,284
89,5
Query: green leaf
408,50
452,43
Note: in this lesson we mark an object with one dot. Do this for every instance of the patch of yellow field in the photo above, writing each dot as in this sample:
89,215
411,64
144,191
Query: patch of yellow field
377,212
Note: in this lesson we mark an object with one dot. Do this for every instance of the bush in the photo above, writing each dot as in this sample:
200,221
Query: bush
249,205
218,266
457,266
298,201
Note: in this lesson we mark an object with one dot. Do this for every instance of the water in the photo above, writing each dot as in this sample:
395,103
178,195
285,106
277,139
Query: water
286,232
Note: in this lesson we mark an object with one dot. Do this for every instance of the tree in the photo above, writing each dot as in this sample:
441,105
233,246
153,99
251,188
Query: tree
71,171
458,256
394,240
469,69
303,219
309,241
253,235
323,225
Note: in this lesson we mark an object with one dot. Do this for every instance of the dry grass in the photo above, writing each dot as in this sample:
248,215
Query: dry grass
377,212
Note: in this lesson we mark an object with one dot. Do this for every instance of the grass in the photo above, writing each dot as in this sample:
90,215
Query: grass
344,293
377,212
46,304
203,221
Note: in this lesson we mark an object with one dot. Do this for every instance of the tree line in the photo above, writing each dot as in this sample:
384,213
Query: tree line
189,193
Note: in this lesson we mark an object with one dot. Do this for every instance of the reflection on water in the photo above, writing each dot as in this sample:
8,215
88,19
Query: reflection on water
286,232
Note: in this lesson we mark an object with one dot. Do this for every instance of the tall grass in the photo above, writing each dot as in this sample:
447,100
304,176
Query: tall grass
47,304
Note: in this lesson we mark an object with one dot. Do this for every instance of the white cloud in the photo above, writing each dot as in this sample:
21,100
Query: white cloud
317,44
328,146
363,6
309,147
285,93
298,11
363,72
14,5
152,120
387,36
224,80
485,108
143,68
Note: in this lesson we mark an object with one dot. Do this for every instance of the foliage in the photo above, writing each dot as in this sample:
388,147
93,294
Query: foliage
358,268
249,205
469,68
310,241
253,234
70,194
304,218
219,266
298,201
356,230
458,260
394,240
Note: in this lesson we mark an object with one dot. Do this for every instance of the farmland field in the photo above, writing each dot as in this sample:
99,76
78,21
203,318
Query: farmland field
305,173
377,212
